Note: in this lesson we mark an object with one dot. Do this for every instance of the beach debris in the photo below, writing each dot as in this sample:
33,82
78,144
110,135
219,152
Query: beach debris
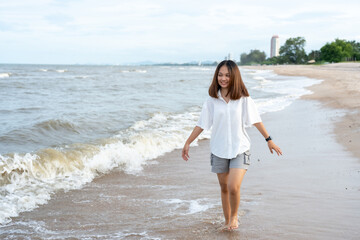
311,61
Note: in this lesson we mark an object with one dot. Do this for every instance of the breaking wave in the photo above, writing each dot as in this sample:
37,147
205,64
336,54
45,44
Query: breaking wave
28,180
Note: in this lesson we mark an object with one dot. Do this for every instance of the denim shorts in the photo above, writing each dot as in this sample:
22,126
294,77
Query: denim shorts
222,165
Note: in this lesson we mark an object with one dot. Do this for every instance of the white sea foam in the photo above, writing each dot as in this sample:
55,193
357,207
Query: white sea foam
261,76
29,180
187,207
258,78
24,228
61,70
81,77
134,70
196,206
257,72
202,68
284,90
5,75
272,105
125,235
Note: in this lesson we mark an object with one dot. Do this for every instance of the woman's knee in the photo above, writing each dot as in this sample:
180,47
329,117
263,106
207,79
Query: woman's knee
233,189
224,187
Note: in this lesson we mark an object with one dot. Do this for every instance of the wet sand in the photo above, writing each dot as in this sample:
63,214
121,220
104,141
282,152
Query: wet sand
311,192
340,89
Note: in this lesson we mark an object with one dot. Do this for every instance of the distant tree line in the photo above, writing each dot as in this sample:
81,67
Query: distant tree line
255,56
293,52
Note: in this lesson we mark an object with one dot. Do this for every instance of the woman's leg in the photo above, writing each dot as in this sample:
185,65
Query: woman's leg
223,181
235,178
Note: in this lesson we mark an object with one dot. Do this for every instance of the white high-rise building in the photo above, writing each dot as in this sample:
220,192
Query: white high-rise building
275,46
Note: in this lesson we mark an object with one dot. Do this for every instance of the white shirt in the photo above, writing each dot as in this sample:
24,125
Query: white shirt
228,122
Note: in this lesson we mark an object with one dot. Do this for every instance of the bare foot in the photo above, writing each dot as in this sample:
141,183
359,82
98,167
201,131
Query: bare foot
225,227
233,223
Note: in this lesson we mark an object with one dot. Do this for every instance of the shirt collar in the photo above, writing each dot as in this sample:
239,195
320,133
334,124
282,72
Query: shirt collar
219,94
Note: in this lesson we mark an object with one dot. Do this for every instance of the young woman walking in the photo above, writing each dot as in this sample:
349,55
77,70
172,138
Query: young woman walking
228,110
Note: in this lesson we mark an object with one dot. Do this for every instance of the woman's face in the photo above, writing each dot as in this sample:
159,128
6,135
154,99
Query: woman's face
223,77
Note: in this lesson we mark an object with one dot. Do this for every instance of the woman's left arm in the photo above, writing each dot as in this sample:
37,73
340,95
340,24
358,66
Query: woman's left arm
272,146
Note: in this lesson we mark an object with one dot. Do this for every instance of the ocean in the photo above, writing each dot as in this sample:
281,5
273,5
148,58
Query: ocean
62,126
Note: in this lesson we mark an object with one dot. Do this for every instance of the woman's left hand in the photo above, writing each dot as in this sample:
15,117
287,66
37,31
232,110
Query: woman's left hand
272,146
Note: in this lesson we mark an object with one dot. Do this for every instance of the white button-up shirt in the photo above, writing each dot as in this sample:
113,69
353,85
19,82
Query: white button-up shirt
228,122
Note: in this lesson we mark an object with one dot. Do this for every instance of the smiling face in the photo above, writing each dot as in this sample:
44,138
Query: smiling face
227,78
223,77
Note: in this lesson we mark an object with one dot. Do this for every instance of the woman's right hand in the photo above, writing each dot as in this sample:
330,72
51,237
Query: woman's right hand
195,133
185,152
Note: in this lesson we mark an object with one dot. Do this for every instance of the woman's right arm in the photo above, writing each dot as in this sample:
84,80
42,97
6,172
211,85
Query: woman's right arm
195,133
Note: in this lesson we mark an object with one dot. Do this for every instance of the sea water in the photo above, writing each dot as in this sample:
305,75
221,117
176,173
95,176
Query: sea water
63,125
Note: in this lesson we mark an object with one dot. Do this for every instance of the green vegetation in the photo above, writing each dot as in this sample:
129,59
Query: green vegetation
293,52
340,50
255,56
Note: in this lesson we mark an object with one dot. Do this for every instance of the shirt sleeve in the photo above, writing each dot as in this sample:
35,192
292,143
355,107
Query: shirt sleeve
206,117
250,112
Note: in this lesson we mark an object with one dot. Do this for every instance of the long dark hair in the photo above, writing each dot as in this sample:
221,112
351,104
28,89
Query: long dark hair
237,88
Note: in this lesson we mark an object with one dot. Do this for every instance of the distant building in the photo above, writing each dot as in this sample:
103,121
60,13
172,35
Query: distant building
275,46
229,57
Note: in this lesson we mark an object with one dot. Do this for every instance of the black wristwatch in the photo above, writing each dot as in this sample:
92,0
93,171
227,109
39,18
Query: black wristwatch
268,139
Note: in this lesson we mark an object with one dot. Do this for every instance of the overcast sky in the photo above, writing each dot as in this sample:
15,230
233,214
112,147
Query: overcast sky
121,32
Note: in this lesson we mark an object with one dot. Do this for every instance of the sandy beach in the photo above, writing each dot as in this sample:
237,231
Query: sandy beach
340,89
311,192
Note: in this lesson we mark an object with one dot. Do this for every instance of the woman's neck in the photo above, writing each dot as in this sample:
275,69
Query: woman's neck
224,91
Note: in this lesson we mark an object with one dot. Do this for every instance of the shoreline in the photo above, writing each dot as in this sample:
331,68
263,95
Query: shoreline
308,193
340,89
294,191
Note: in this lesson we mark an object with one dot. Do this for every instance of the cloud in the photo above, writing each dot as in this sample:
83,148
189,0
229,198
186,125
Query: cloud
173,30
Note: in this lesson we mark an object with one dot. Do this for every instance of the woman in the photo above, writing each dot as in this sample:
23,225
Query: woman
228,110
